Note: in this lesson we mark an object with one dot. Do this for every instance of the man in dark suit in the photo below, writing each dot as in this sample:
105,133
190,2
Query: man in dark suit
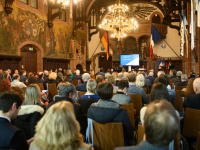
10,136
46,76
133,89
23,76
183,80
101,73
151,77
178,78
82,87
193,101
41,80
158,132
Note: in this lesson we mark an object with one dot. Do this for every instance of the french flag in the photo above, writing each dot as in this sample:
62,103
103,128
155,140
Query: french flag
155,37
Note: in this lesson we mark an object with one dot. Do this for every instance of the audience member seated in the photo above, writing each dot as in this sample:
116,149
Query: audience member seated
9,74
91,90
99,79
106,75
41,80
193,101
120,76
189,88
172,74
183,80
160,73
77,76
32,80
115,75
53,132
192,74
67,77
164,79
178,78
120,96
108,111
46,76
147,82
31,111
5,85
52,78
17,83
2,74
133,89
140,81
11,137
101,73
125,75
82,87
158,132
23,76
151,77
59,77
66,93
158,92
111,79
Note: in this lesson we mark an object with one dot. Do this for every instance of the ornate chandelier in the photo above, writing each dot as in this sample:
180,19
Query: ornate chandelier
119,21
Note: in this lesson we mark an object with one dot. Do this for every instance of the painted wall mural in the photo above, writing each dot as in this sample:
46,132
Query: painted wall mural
22,25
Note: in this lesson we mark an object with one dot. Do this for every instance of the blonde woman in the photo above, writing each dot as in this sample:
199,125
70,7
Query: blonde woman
111,79
55,133
33,97
91,90
52,78
115,75
31,111
140,81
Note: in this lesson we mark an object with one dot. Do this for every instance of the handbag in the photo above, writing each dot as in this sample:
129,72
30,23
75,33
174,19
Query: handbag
89,128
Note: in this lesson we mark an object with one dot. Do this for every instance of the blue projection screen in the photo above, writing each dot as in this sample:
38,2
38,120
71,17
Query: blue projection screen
129,60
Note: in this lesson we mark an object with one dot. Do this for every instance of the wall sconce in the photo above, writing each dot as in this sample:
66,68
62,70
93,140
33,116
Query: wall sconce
8,6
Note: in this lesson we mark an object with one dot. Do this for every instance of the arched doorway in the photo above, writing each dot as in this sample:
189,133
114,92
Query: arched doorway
29,57
79,67
104,63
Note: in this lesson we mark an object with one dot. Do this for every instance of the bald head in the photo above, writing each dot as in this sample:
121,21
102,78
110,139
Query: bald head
196,85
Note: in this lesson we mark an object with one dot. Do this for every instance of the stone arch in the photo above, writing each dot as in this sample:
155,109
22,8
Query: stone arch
39,53
96,55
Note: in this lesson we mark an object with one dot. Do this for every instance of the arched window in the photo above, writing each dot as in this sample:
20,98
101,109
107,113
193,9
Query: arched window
156,19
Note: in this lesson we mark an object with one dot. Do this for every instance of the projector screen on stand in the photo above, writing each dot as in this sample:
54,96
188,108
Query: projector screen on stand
130,60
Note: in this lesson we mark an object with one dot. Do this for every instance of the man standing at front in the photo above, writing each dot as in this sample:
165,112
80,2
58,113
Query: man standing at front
10,136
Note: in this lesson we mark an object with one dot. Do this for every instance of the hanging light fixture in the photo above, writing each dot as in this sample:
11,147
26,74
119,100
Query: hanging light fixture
119,22
8,6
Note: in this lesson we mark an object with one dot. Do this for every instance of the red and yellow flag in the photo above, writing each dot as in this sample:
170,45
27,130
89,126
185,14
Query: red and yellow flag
104,40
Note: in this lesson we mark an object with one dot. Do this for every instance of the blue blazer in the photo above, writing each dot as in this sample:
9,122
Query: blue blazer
82,87
11,137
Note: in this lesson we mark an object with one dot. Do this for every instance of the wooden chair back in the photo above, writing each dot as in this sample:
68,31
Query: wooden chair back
179,88
178,101
107,136
52,90
198,141
191,125
130,111
136,99
41,86
17,89
76,82
140,133
145,90
80,94
24,89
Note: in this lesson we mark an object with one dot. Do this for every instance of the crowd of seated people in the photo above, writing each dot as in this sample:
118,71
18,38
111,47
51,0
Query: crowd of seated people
102,100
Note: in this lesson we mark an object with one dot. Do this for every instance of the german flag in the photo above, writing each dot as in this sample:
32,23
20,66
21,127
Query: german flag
104,40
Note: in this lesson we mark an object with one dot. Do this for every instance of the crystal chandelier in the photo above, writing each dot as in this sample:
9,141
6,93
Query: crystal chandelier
65,3
119,21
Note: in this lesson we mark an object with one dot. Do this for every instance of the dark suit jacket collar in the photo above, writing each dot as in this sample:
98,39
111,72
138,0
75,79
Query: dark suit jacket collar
4,120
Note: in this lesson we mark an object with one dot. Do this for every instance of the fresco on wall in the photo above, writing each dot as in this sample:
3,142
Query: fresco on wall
27,26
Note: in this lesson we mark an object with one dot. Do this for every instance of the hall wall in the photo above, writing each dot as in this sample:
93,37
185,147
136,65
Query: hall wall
29,24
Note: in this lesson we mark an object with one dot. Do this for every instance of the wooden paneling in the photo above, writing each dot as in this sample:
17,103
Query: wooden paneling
104,63
10,61
55,63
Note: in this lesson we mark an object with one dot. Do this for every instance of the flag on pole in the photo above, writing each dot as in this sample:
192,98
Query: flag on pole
182,37
163,62
104,41
159,61
155,37
185,22
198,13
192,25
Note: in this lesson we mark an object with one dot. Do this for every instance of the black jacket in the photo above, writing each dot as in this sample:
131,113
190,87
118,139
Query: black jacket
86,102
11,137
82,87
192,101
79,113
110,115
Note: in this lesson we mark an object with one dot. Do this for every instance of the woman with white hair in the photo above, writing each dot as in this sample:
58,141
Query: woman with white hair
91,90
55,133
140,81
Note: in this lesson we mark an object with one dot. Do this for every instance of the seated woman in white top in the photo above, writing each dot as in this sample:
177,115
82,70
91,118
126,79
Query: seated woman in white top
91,90
159,92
